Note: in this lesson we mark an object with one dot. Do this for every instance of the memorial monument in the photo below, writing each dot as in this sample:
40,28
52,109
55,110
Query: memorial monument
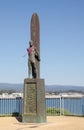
34,107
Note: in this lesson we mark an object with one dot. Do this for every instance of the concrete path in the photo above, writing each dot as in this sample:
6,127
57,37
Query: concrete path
53,123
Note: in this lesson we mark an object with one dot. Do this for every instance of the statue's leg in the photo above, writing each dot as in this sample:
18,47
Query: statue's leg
29,68
34,74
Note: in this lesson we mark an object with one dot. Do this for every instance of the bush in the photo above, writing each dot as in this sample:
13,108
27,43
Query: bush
56,111
53,111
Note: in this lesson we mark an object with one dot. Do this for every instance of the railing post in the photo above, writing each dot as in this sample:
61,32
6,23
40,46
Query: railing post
60,105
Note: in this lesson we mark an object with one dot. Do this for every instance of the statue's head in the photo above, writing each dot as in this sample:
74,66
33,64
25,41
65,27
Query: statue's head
31,43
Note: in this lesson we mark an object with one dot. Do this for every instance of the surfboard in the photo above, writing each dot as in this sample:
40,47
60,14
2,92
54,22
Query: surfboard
35,36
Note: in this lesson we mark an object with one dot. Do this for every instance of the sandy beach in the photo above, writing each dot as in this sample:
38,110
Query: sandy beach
53,123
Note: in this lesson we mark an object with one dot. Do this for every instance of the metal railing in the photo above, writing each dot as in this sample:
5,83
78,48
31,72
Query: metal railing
10,106
55,105
65,105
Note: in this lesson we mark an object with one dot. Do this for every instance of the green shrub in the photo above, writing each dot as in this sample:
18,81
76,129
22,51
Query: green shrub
56,111
53,111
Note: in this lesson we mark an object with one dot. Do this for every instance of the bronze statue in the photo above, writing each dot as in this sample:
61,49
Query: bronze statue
33,57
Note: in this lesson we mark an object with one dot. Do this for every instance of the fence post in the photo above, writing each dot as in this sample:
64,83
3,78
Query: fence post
60,105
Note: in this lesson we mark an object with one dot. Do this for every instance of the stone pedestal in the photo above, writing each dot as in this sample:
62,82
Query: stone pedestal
34,108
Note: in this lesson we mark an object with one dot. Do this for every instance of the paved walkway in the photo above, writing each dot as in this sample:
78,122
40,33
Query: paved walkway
53,123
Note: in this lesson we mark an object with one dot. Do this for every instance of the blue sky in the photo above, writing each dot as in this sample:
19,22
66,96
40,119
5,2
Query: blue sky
61,40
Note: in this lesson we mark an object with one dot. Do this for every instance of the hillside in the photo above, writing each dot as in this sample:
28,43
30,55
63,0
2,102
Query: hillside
9,86
62,88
